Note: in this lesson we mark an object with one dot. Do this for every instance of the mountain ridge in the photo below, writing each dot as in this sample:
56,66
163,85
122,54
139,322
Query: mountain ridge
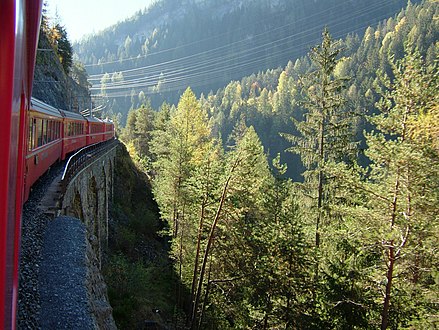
203,44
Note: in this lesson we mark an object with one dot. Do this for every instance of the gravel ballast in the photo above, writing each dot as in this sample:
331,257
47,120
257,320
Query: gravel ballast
63,272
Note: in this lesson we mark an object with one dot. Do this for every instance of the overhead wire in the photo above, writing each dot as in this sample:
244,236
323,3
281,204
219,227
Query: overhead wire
221,35
183,60
204,65
174,77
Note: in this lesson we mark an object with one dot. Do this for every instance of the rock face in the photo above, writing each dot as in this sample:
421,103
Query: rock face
53,86
97,291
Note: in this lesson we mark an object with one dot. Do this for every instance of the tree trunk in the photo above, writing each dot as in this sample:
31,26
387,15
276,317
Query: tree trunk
200,231
391,258
385,312
209,242
206,295
197,254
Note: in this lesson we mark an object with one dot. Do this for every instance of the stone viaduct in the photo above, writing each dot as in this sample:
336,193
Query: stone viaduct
85,192
87,196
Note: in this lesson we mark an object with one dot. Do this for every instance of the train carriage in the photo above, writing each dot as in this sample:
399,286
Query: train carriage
74,132
95,130
19,26
109,130
44,141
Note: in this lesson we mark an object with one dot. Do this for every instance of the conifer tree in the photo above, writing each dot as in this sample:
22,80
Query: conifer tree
188,138
404,178
326,133
245,178
395,200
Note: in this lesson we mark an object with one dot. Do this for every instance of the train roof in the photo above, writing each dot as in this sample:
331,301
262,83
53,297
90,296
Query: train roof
93,120
71,115
42,107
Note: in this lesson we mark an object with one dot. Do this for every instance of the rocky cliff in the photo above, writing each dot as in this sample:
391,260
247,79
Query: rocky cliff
52,85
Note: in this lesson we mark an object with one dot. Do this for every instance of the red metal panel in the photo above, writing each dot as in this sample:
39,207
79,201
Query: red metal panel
7,60
18,25
73,142
33,21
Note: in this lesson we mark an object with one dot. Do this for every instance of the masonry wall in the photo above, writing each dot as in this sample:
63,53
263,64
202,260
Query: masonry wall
87,198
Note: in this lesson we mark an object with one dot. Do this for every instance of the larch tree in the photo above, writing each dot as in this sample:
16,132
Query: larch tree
246,177
396,197
188,141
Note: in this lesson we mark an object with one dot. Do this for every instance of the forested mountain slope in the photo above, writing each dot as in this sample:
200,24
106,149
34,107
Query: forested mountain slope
205,44
351,241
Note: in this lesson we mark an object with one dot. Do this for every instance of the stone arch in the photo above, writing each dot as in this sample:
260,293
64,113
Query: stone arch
110,178
93,203
76,209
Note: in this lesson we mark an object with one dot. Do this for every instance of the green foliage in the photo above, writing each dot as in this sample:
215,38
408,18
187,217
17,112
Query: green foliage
219,37
138,273
60,43
137,291
79,74
242,233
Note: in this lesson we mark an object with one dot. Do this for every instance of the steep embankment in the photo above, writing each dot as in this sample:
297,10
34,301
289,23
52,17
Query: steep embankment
138,273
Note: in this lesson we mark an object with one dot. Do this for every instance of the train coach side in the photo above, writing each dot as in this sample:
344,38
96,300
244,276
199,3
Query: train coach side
44,141
74,132
19,26
95,130
109,130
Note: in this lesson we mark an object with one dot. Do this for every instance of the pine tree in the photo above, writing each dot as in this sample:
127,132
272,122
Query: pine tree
396,198
405,205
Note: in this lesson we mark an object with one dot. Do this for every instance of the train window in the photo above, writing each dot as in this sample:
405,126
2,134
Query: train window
49,131
39,132
53,130
31,137
44,131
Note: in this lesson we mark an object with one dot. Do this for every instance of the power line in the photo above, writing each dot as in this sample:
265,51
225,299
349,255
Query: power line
188,68
244,42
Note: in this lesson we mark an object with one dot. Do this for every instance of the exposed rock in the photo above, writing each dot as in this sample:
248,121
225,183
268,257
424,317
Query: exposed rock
53,86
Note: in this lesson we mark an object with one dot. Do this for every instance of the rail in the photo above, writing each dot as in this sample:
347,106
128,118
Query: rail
81,158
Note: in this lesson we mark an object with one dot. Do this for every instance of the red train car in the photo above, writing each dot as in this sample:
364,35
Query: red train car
74,132
19,26
109,130
44,141
95,130
33,136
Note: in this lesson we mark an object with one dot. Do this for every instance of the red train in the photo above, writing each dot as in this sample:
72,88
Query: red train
33,136
53,134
